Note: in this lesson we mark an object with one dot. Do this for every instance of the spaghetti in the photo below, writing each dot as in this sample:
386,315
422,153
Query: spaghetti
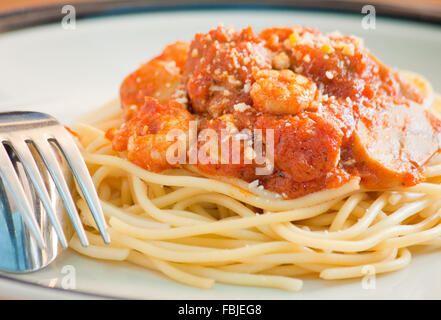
198,231
198,228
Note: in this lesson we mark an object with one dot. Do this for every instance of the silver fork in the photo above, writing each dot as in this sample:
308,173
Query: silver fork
20,133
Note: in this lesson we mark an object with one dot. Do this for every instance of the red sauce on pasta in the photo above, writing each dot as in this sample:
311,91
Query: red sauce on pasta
334,109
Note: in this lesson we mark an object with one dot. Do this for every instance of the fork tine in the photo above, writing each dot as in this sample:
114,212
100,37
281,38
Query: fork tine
27,159
47,153
72,154
10,178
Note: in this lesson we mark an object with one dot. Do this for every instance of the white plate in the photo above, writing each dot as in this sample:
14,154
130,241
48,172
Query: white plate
68,72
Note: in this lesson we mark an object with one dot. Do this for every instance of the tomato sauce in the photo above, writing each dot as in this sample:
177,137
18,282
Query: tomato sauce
335,111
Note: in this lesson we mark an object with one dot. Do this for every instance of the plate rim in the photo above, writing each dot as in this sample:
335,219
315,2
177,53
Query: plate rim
41,15
66,294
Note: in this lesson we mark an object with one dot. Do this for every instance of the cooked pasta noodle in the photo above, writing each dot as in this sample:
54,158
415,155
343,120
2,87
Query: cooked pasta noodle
198,231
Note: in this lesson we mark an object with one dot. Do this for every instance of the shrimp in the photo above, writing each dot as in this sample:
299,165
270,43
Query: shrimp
282,92
159,78
145,136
